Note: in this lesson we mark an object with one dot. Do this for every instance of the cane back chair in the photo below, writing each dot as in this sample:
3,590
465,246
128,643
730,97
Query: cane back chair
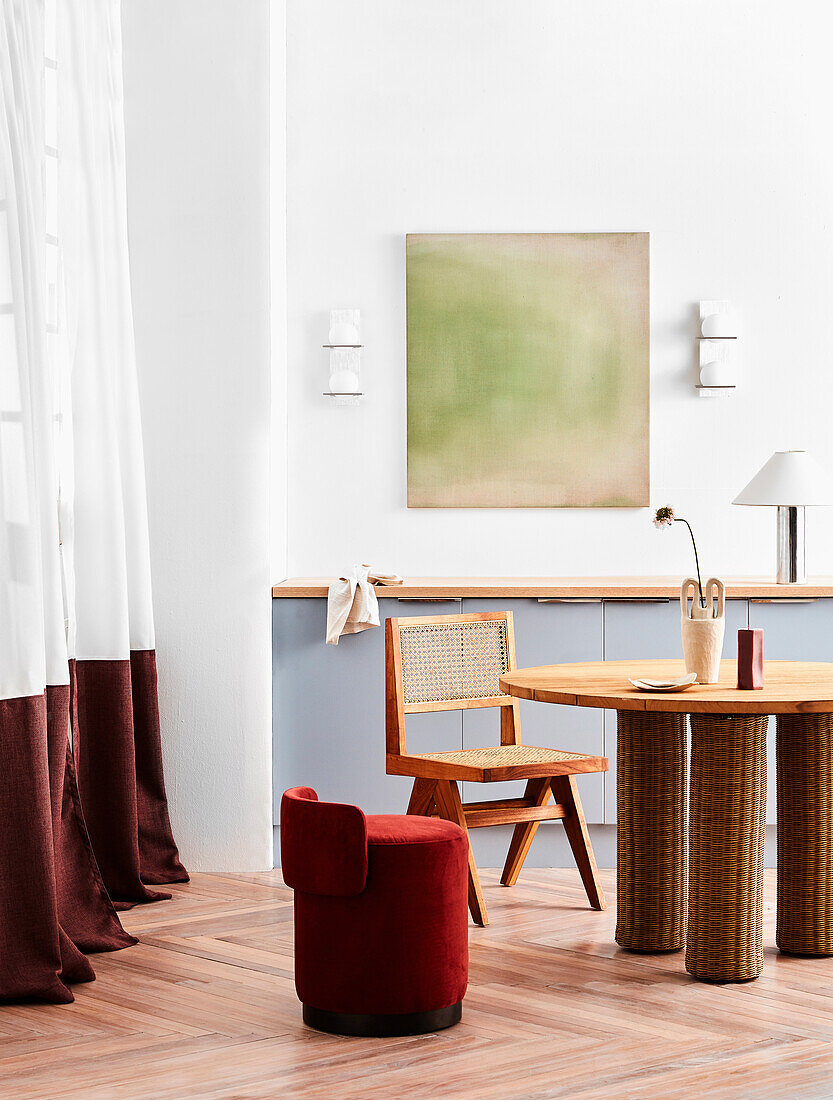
454,662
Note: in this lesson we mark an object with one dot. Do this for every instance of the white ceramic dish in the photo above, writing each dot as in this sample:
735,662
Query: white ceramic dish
665,685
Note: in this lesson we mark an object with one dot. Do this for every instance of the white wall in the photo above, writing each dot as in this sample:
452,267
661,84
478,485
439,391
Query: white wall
279,537
197,101
706,124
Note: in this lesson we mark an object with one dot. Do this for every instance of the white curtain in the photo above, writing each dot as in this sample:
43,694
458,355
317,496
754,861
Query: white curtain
32,638
74,558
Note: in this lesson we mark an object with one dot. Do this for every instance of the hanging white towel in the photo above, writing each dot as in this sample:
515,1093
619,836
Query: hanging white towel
351,602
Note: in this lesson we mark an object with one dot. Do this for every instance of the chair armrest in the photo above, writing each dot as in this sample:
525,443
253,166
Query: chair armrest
323,845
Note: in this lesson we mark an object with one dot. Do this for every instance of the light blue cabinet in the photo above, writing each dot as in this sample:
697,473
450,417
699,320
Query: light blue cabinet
794,629
643,630
329,721
329,707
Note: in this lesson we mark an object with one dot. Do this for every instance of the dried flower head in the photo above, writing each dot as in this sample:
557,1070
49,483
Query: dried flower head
664,517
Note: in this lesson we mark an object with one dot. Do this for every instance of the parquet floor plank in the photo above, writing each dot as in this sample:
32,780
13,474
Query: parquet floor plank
205,1009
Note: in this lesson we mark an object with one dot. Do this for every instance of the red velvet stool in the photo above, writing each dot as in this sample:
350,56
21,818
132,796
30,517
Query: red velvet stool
381,917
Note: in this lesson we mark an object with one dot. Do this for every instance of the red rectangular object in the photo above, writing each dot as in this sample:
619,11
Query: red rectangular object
750,659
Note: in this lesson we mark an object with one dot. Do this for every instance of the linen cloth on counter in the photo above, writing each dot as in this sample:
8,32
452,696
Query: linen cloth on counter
351,602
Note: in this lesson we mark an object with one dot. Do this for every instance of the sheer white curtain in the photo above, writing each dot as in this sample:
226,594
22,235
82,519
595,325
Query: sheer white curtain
33,648
106,538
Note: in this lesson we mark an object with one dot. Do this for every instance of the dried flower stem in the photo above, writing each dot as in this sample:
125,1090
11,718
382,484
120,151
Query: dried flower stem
696,559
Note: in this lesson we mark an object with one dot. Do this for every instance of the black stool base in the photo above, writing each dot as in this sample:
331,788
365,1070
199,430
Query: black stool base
381,1025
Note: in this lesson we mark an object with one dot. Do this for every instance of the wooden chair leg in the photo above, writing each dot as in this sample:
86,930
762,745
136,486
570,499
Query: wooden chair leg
422,797
447,797
537,793
565,793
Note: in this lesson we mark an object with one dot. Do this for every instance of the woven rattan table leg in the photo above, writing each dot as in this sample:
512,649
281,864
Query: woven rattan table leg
805,834
651,804
726,847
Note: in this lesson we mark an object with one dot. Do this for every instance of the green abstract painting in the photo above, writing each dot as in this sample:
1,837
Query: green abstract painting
528,370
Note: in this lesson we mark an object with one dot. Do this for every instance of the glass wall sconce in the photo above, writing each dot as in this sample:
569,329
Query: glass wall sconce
719,332
344,345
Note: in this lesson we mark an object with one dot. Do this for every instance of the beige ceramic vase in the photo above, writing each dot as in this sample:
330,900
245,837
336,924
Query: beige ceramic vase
703,628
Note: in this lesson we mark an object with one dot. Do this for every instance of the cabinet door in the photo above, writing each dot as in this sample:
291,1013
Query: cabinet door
794,630
636,629
329,707
546,633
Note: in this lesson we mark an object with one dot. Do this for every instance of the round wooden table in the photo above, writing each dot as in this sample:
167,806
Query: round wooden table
723,938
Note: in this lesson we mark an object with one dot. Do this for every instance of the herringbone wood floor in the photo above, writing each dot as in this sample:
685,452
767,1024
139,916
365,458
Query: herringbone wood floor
205,1007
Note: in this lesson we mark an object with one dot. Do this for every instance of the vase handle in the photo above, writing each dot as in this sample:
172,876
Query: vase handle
689,585
715,589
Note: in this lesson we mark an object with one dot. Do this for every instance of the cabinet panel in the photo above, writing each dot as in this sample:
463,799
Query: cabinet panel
792,632
545,634
647,629
329,707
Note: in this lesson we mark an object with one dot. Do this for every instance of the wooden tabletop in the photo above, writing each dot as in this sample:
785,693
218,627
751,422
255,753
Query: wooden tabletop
560,588
790,687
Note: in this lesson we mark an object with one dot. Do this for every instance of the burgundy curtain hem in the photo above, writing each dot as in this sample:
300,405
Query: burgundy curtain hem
106,932
118,755
158,854
53,905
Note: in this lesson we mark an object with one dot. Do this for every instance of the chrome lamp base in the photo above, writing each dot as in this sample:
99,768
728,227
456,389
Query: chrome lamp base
791,560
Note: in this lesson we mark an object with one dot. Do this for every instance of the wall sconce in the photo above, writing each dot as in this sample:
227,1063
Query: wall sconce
719,332
344,345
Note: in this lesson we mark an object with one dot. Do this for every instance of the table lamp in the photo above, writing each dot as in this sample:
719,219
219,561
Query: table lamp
789,481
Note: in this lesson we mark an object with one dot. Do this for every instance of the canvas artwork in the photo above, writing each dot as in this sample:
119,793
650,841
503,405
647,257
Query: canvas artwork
528,370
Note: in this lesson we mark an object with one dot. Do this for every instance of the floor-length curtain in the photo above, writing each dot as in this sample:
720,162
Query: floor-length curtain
117,742
77,660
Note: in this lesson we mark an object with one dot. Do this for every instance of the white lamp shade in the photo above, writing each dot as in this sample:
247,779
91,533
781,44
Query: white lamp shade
792,478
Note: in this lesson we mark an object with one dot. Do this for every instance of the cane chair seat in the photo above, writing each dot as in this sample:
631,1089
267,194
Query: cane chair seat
496,764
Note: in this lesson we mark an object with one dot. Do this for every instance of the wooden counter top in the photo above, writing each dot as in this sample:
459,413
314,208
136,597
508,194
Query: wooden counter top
562,588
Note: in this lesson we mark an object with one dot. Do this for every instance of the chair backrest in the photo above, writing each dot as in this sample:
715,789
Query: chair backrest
323,845
448,662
